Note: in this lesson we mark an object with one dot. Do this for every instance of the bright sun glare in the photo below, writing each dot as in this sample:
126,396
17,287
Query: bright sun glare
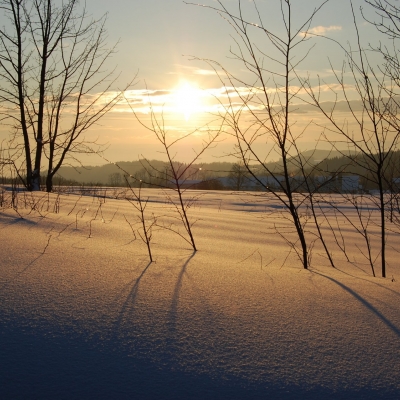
187,99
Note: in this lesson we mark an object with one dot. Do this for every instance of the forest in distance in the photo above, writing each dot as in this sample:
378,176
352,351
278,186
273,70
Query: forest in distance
218,175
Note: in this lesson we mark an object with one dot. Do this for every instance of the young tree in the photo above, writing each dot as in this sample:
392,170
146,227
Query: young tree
376,135
260,109
52,59
177,174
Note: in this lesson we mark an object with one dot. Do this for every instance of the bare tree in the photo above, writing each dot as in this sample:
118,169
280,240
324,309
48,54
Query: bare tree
264,115
115,179
377,134
238,176
175,174
53,81
172,176
388,23
388,13
147,224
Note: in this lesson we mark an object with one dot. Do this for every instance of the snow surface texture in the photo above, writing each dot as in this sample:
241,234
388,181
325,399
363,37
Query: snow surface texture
84,315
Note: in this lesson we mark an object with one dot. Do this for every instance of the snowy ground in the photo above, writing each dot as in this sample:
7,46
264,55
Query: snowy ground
84,315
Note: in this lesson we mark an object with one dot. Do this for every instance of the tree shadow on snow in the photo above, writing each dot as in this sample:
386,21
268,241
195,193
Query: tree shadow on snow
173,313
372,282
8,220
27,267
364,302
130,299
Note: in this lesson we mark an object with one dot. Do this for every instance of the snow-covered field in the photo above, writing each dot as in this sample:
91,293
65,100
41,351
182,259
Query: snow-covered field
83,314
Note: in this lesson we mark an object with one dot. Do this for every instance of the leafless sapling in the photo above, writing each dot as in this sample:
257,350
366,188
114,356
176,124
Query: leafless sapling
259,110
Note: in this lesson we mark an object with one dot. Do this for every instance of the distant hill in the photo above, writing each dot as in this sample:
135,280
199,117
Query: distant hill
112,174
316,156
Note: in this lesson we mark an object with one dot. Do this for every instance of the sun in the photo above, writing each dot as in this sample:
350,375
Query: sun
187,99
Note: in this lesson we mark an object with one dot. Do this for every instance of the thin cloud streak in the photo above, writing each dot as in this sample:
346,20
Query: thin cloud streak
191,70
213,100
321,30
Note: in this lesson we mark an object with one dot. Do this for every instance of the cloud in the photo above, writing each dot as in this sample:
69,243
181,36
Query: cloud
321,30
192,70
206,72
158,93
220,99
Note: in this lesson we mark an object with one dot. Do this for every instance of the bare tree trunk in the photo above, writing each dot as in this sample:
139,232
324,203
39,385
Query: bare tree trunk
266,105
52,56
378,132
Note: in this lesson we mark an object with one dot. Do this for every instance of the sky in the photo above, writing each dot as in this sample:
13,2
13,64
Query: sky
176,53
159,38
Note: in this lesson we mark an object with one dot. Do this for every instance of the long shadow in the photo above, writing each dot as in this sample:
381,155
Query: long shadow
383,287
130,299
8,220
173,313
364,302
366,280
26,268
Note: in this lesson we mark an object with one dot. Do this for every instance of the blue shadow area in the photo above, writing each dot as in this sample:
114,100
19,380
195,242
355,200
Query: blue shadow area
35,364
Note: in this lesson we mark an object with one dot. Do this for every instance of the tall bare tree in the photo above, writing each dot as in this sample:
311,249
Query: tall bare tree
53,81
371,130
259,112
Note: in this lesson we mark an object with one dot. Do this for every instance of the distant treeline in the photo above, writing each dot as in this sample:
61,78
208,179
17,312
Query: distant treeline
217,175
113,174
148,170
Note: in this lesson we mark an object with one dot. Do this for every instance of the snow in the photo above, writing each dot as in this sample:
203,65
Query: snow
84,315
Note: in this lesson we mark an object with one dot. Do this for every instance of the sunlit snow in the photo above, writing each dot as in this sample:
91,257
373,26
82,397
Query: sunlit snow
84,315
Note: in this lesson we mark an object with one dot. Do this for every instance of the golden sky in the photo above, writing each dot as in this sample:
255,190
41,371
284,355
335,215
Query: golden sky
179,53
